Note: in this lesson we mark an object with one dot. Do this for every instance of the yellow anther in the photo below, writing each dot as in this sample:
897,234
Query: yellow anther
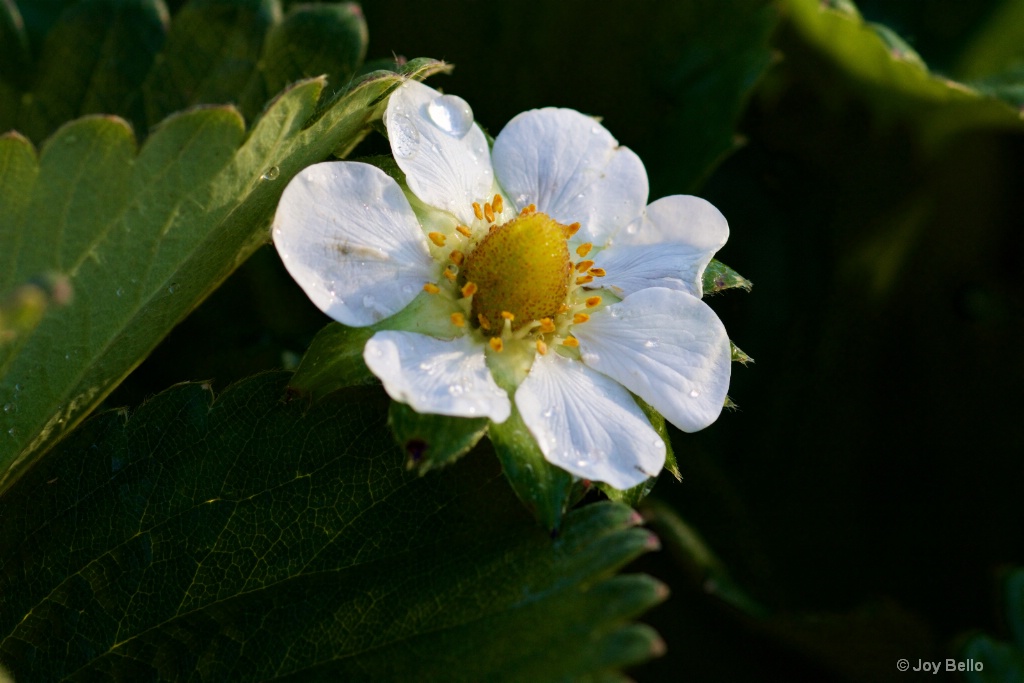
597,272
547,325
584,265
571,342
584,249
431,288
469,289
586,279
457,257
489,212
573,229
498,203
463,230
485,324
528,210
437,238
449,274
477,211
593,301
458,320
497,344
542,348
563,308
580,318
508,316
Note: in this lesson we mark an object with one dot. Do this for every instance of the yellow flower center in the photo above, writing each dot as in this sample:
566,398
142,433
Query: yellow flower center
521,270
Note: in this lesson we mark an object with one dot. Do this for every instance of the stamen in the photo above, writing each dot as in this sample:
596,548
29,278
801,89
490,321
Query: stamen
586,279
508,316
563,307
458,320
469,289
529,210
431,288
477,211
497,344
542,348
457,257
464,231
485,324
597,272
580,318
571,342
547,325
572,229
437,238
489,212
593,301
584,249
498,203
584,265
449,274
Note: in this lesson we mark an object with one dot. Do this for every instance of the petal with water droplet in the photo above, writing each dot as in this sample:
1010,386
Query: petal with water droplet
588,424
693,353
446,171
348,236
551,157
421,371
669,246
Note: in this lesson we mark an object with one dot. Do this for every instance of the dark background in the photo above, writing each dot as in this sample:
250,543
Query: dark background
866,494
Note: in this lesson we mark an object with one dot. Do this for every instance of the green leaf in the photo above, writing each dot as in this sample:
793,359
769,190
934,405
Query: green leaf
144,237
251,538
431,441
544,489
1014,588
719,277
14,51
997,45
1002,662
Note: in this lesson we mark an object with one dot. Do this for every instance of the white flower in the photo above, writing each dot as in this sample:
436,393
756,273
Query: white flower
533,270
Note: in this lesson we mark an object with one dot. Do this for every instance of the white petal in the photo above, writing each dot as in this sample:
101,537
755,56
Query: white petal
588,424
442,377
669,246
572,169
442,152
667,347
348,236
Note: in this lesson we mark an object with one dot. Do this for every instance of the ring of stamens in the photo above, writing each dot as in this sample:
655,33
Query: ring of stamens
456,250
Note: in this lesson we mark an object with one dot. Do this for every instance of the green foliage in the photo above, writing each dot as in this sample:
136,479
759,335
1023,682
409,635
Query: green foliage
1002,661
254,538
431,441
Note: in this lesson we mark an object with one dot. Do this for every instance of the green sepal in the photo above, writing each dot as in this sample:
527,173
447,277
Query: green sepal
431,441
634,495
738,355
719,277
543,488
1003,662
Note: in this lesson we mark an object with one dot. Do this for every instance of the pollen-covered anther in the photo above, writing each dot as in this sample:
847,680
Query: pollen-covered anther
485,324
431,288
437,238
489,213
563,308
580,318
469,289
458,320
457,257
542,348
597,272
508,316
584,249
528,210
547,325
571,342
583,266
593,301
498,203
477,211
449,275
584,280
464,231
572,229
497,344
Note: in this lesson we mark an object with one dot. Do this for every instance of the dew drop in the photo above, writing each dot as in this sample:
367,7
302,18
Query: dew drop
172,288
582,463
10,408
408,289
17,388
12,432
451,114
119,292
271,173
456,389
694,393
369,301
405,139
632,228
651,343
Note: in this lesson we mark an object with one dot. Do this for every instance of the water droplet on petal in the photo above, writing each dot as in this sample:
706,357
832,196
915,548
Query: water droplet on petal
595,130
271,173
405,139
582,463
456,390
694,393
451,114
369,301
408,289
651,343
632,228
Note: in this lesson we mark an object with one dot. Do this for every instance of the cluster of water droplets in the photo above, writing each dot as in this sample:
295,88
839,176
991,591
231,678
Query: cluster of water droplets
451,115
